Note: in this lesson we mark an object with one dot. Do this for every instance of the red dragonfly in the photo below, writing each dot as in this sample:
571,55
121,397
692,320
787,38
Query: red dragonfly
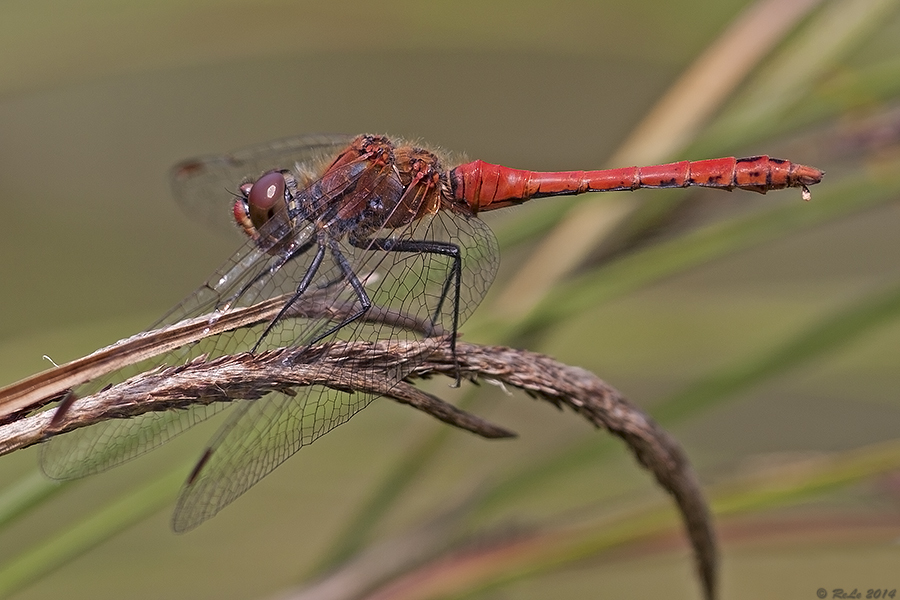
358,224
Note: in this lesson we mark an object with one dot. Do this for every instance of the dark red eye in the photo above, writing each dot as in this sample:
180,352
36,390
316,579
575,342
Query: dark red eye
266,192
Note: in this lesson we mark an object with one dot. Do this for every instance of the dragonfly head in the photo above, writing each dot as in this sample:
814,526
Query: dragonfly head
260,202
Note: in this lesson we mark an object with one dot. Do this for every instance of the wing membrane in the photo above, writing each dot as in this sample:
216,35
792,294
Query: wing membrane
201,185
264,433
413,295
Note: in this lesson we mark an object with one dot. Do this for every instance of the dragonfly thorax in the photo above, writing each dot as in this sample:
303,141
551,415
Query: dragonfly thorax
370,187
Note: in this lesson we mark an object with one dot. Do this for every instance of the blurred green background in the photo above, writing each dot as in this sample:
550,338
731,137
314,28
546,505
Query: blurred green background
762,331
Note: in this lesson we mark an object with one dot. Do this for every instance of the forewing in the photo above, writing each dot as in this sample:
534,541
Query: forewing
258,437
414,294
408,288
250,276
247,278
202,185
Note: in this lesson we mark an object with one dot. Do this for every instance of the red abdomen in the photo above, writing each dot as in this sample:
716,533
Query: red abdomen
483,186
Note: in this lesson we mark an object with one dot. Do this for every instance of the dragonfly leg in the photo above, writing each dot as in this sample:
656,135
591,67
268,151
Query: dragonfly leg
304,284
283,260
365,303
454,277
347,274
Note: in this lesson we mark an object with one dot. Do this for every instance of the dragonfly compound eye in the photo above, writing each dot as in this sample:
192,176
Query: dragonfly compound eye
266,198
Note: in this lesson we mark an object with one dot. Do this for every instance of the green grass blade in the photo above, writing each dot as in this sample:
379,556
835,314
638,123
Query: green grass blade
560,545
831,333
628,274
359,528
828,335
30,491
671,125
104,523
790,76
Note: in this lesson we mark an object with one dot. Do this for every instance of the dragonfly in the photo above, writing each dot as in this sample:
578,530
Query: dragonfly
359,238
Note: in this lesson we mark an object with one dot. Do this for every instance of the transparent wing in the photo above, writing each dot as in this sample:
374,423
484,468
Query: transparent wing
201,186
258,437
264,433
416,278
245,279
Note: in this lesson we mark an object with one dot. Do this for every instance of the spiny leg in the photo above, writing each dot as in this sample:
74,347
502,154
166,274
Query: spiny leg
301,288
283,260
364,301
428,247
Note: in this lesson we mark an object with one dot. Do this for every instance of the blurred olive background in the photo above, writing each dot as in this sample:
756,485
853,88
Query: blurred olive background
775,362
